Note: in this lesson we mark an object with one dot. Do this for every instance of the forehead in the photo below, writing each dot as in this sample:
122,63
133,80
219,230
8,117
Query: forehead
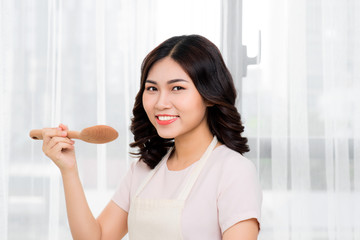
167,69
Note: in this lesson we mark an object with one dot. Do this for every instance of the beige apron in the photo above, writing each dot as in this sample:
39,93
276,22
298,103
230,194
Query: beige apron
160,219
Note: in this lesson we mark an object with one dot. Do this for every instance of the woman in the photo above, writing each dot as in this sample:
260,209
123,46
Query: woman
191,181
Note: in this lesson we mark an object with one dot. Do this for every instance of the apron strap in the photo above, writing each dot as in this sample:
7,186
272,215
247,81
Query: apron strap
196,171
152,172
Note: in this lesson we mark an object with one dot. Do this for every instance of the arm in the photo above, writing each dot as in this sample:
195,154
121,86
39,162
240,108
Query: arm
239,201
244,230
113,221
82,223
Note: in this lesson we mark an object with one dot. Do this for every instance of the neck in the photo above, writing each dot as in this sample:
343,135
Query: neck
189,149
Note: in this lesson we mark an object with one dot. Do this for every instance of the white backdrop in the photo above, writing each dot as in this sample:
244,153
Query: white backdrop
78,62
301,107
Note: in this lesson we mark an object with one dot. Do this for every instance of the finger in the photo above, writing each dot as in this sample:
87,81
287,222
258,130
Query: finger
49,133
63,127
60,147
58,151
55,140
48,147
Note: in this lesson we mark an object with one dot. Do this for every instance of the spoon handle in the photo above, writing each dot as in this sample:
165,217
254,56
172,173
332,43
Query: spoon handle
37,134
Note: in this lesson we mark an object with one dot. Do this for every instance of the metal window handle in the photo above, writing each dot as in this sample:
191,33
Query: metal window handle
251,60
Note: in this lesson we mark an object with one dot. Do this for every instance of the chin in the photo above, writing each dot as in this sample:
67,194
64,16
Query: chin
166,135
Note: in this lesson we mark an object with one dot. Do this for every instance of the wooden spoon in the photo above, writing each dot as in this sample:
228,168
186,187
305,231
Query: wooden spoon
95,134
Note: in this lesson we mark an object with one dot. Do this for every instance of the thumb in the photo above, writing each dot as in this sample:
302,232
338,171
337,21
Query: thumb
63,127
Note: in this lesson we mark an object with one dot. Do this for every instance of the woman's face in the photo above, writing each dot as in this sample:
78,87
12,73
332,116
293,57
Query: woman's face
172,102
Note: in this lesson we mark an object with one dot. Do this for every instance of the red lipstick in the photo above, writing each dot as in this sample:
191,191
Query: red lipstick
166,119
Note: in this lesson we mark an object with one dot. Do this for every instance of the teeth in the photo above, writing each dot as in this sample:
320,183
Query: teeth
165,118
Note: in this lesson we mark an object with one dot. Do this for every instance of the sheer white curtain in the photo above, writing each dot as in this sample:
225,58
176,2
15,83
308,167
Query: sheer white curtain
78,62
301,109
75,62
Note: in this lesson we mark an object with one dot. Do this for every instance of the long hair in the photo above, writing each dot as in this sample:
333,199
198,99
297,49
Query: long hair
203,62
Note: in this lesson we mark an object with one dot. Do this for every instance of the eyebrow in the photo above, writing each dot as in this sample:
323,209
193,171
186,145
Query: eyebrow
168,82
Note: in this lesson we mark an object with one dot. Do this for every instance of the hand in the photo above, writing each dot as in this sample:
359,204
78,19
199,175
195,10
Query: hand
59,148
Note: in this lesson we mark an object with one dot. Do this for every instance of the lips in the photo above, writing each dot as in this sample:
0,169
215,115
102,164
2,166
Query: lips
166,119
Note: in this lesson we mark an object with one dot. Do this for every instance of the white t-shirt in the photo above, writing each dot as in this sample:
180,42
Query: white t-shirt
226,192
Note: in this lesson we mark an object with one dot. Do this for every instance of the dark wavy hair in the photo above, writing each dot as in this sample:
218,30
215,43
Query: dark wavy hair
203,62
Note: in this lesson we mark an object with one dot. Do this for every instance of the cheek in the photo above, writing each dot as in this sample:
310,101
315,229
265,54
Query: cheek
201,111
196,107
146,105
201,105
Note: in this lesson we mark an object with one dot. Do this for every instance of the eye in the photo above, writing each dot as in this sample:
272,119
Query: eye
151,89
177,88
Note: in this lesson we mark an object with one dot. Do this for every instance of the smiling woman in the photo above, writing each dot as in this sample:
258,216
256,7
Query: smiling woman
188,133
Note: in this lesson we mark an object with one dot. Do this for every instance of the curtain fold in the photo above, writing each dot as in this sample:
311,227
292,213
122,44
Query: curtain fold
340,100
298,122
6,89
356,119
54,76
231,41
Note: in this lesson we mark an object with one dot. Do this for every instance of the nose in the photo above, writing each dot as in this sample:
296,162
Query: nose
163,101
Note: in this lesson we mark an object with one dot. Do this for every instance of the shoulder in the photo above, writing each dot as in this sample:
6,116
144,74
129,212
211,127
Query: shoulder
139,167
234,171
137,171
230,160
239,195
